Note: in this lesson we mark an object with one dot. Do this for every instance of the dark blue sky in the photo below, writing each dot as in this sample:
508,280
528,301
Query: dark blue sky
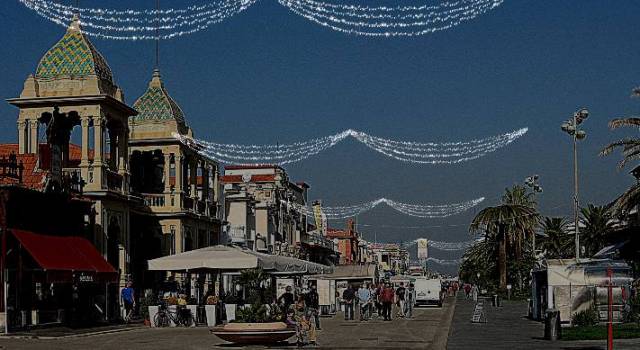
268,76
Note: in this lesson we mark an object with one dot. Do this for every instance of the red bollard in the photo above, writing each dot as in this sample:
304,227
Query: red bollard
610,330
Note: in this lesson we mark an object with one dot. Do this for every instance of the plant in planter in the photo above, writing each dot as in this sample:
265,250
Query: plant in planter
251,281
255,313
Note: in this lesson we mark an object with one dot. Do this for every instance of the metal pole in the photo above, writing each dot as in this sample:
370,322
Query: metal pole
575,180
610,313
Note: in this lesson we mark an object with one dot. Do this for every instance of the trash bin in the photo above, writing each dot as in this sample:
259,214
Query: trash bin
552,325
496,300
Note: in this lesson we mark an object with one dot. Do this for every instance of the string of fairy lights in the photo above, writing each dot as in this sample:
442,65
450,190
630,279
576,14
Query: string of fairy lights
416,210
446,262
355,19
405,151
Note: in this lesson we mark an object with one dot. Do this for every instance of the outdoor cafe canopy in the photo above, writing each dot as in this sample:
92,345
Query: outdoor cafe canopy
234,258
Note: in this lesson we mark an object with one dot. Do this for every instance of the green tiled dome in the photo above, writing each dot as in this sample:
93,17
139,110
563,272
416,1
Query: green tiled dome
156,104
73,56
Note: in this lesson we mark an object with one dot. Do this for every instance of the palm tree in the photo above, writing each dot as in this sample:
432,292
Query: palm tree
519,195
557,243
630,152
506,223
598,225
479,258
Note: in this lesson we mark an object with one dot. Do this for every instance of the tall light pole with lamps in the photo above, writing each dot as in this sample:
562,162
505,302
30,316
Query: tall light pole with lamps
532,183
572,127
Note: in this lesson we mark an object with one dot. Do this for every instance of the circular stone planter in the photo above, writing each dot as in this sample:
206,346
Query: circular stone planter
254,333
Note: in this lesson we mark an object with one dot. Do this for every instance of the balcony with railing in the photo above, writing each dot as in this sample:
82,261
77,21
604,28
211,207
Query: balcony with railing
72,181
113,180
153,200
237,234
317,240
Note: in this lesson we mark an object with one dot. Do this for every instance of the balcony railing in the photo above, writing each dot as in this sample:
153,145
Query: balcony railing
315,239
113,179
72,180
153,199
201,207
187,203
237,234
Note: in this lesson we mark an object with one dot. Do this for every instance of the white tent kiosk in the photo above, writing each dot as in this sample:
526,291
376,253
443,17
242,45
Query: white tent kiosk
230,260
234,258
572,286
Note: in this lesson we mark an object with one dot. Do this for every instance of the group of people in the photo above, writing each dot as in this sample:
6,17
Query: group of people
380,298
470,291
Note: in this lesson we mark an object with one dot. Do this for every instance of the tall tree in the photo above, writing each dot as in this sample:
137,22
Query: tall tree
505,224
519,195
557,242
630,148
598,224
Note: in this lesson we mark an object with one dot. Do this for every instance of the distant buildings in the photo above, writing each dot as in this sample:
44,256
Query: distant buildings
392,258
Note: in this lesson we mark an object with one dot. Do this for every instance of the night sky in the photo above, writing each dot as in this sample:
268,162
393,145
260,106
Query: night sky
268,75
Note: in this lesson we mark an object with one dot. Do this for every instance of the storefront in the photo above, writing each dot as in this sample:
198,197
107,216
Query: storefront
54,280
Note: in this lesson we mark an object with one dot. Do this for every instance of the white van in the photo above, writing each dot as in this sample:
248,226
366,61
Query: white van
428,291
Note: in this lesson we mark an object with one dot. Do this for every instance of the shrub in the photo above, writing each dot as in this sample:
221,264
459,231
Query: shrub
254,313
587,317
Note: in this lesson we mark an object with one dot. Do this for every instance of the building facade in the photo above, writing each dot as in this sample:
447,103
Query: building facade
265,211
150,195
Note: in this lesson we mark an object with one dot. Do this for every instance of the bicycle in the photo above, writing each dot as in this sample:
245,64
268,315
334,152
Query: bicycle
181,317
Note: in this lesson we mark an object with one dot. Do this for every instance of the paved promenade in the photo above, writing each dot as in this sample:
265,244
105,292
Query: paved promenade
427,330
508,328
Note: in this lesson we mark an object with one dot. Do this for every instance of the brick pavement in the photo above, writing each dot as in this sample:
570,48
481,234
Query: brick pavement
508,328
416,333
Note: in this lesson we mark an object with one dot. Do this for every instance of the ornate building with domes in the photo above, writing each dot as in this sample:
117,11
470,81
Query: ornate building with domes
151,195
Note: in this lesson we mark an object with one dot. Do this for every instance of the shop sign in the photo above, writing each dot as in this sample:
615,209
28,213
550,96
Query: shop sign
84,278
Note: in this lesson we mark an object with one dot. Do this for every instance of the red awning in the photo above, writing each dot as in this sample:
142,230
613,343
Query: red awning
66,256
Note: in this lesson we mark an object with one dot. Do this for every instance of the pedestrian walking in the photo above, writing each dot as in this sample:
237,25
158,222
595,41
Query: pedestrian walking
387,300
305,329
400,299
364,296
373,300
313,305
286,300
129,300
379,290
411,299
467,290
474,293
348,297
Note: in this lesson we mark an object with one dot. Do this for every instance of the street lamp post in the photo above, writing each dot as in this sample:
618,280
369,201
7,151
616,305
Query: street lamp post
532,182
571,127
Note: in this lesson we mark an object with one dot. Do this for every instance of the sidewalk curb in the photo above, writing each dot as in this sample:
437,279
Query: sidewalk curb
81,335
441,337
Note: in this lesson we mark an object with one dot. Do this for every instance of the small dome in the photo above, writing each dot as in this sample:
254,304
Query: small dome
156,104
73,56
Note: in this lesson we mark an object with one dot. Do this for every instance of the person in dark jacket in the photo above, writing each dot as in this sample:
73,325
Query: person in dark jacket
313,305
348,297
286,300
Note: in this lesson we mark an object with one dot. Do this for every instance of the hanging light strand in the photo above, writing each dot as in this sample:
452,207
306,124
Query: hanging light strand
417,210
445,262
380,29
115,32
412,152
434,19
388,21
